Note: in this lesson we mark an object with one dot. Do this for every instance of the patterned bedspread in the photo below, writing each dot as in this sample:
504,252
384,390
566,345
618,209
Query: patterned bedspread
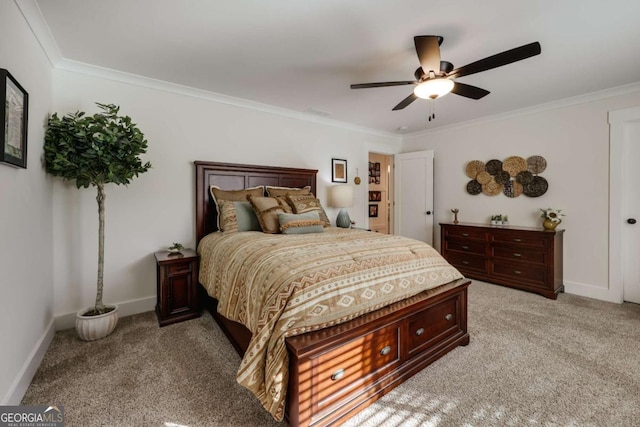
283,285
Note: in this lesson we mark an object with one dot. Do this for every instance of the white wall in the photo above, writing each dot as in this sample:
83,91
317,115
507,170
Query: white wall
575,141
26,263
158,207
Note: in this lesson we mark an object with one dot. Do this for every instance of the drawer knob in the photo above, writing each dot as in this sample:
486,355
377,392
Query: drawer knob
448,317
385,350
517,255
465,262
337,375
517,272
420,331
465,234
517,240
465,247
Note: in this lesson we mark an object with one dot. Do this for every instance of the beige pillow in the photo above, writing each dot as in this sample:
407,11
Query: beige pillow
283,191
267,210
308,203
219,195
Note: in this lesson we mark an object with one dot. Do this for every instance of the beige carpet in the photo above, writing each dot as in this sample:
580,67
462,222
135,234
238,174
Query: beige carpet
531,362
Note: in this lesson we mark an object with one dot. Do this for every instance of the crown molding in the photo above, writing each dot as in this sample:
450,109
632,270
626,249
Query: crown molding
40,29
566,102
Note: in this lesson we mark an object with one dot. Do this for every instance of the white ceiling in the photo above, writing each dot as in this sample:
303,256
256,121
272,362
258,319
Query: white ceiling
304,54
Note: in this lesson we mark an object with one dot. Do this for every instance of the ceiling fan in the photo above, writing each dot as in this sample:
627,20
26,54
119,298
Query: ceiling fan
434,78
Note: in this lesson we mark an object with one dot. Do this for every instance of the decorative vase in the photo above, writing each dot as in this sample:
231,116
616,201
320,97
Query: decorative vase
547,224
91,328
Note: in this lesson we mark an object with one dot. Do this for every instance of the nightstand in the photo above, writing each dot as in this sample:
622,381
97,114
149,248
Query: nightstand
177,286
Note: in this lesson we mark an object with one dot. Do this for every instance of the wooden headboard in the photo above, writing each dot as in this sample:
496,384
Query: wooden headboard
230,176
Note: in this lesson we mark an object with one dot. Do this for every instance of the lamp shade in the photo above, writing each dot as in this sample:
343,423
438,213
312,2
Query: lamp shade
341,196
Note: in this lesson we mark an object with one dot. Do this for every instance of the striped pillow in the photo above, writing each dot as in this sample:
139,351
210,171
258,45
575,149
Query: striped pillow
303,223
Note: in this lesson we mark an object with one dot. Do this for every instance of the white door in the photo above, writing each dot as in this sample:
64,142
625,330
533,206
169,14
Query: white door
631,213
413,184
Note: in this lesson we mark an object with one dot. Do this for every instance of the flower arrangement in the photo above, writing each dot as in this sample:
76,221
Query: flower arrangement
554,215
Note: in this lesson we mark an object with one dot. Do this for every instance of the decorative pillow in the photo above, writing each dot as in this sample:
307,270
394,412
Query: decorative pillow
308,203
267,210
284,203
283,191
303,223
219,194
237,216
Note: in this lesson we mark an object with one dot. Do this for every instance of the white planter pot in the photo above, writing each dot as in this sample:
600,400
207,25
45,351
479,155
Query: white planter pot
90,328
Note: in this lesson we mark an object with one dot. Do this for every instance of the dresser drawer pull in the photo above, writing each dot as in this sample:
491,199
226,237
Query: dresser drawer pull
337,375
465,262
465,247
517,272
465,234
420,331
517,240
517,255
385,350
448,317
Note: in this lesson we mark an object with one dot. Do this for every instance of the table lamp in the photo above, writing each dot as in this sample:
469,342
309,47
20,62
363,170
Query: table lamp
342,197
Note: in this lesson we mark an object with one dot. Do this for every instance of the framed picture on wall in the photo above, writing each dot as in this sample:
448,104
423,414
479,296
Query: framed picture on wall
14,110
373,211
375,196
338,170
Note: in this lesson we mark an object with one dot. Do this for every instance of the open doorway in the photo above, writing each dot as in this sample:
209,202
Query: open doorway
380,193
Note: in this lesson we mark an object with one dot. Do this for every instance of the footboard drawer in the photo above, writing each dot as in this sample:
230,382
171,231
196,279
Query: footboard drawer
349,368
433,324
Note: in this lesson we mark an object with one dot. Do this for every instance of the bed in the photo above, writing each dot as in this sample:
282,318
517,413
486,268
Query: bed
337,365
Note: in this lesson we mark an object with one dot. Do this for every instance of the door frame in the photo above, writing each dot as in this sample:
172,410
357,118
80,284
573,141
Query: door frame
617,121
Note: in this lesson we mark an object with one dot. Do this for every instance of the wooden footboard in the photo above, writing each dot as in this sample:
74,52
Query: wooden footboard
338,371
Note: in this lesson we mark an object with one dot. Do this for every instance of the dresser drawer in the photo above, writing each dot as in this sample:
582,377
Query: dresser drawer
519,253
467,246
433,324
348,369
518,272
506,236
466,261
466,232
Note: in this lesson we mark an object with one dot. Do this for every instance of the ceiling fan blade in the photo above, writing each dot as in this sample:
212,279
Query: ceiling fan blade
498,60
381,84
469,91
428,50
408,100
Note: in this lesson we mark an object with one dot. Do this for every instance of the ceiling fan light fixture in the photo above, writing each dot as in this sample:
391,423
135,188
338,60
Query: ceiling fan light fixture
433,88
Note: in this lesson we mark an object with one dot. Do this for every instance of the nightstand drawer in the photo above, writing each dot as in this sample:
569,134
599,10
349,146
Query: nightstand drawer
180,269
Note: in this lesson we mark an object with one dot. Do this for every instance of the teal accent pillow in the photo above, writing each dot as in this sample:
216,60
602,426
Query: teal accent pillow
246,217
308,222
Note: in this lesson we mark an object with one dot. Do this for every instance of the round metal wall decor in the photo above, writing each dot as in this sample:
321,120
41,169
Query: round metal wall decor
474,187
537,187
514,164
512,189
513,176
502,177
473,168
493,166
536,164
524,177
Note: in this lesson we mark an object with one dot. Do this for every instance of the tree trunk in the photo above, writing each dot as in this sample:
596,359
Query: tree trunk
100,309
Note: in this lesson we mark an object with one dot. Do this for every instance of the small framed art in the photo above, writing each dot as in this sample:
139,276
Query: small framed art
373,211
14,110
375,196
338,170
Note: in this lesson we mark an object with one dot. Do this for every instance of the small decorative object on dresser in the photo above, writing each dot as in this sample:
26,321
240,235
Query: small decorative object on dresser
455,215
176,248
551,218
177,286
524,258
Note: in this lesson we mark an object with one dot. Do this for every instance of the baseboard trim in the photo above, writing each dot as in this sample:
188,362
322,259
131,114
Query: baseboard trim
23,379
127,308
590,291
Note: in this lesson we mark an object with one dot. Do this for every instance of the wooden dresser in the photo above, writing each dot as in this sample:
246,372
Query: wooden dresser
525,258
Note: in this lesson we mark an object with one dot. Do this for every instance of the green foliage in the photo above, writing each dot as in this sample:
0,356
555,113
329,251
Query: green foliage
92,150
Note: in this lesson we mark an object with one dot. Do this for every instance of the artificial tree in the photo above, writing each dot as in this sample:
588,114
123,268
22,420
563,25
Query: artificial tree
95,150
